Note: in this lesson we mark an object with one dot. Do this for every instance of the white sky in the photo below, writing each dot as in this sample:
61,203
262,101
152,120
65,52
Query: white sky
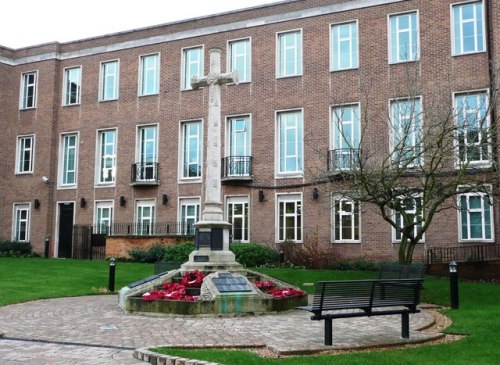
30,22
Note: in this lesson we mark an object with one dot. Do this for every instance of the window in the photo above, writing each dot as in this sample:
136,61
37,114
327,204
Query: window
146,167
109,80
25,154
192,65
107,156
28,90
72,85
237,215
21,223
289,54
103,217
239,146
412,208
289,227
473,124
346,133
468,28
476,217
150,74
346,220
68,159
240,59
404,39
406,138
290,142
189,214
191,150
344,47
145,217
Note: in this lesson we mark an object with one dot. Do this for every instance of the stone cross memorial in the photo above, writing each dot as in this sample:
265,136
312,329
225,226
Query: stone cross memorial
212,232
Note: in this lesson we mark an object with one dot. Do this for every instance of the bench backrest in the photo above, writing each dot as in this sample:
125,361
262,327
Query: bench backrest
396,271
365,294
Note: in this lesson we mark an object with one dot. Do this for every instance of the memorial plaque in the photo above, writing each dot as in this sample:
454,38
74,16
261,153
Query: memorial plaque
143,281
217,239
203,239
227,283
200,258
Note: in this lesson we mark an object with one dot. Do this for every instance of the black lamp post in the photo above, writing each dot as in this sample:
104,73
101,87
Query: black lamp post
453,285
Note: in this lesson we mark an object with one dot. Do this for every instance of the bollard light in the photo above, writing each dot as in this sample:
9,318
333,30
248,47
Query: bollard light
112,268
47,242
453,285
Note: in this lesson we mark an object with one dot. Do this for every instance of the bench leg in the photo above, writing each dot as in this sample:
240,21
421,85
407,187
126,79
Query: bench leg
328,331
405,325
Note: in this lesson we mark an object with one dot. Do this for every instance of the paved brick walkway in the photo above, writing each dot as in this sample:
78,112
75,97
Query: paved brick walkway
94,330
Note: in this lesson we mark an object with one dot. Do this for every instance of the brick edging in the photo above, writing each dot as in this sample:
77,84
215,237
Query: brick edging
155,358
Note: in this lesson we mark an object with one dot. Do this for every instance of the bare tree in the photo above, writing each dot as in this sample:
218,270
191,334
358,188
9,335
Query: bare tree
437,153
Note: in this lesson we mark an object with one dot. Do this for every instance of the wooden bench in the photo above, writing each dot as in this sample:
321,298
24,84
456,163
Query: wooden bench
365,298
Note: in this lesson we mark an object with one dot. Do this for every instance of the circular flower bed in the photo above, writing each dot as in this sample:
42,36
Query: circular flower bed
279,293
177,291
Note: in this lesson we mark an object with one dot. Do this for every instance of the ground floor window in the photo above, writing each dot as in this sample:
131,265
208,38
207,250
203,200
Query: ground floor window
189,214
346,220
237,215
145,217
21,222
476,217
103,217
289,218
413,214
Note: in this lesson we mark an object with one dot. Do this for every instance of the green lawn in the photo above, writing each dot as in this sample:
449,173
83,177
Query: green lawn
478,316
37,278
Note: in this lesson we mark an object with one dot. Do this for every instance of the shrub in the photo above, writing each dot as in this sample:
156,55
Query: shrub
15,249
152,254
178,252
355,265
254,255
312,254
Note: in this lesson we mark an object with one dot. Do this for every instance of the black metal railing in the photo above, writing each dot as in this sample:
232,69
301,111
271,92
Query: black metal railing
151,229
88,243
145,173
462,253
343,159
236,167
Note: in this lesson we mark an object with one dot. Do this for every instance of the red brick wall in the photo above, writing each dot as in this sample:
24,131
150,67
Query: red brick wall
315,91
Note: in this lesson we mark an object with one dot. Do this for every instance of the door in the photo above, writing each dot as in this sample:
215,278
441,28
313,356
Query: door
65,233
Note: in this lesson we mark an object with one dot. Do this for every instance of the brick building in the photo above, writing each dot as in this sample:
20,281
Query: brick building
107,130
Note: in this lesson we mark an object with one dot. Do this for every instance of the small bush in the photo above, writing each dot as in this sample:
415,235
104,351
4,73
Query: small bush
313,253
15,249
355,265
178,252
152,254
254,255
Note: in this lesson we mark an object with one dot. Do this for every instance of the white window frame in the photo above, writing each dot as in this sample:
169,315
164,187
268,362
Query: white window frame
479,46
413,54
25,88
240,168
145,226
109,79
483,163
101,133
184,203
356,210
106,224
16,224
416,129
20,152
281,227
281,171
144,69
338,139
395,239
297,50
335,42
186,75
232,57
142,174
245,217
66,97
63,162
484,197
182,150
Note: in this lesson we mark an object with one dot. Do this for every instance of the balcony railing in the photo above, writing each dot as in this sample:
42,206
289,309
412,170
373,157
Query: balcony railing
343,159
145,173
236,168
